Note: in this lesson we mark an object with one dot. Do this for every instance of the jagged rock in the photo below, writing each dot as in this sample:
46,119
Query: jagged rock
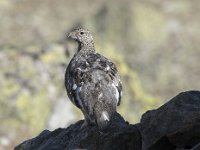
120,135
173,126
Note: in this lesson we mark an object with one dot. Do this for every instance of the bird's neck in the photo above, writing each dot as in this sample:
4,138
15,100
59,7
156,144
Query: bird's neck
89,47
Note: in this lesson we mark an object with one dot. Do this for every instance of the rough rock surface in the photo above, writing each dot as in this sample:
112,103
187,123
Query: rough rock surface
173,126
176,124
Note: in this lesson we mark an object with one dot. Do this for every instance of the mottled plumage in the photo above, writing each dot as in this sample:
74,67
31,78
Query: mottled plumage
92,81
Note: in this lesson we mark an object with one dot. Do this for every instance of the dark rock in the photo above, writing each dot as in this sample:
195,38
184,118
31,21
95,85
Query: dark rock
197,147
174,125
120,135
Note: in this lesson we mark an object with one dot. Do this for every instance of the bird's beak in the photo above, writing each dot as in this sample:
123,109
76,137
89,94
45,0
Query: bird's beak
71,35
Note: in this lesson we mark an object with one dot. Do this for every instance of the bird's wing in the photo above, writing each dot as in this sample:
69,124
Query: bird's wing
101,63
80,70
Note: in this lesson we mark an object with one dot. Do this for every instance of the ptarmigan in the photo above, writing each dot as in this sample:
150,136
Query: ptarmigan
92,81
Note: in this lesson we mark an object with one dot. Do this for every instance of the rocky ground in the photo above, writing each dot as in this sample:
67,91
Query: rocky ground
173,126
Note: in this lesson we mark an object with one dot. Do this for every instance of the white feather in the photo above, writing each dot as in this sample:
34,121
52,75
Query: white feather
100,95
107,68
116,92
74,87
104,115
78,96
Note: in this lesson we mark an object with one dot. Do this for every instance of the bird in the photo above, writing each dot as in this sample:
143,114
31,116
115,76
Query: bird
92,81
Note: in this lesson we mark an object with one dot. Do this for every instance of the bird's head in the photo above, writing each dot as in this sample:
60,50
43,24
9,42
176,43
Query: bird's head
83,36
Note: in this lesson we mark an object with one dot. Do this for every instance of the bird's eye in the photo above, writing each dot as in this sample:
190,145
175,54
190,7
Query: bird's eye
81,33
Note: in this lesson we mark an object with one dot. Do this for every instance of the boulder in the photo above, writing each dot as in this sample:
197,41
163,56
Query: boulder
173,126
176,124
120,135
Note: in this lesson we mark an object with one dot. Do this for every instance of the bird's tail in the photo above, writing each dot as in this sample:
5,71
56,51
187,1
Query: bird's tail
103,114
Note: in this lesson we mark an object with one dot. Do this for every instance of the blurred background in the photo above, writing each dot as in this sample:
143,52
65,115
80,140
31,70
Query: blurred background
154,43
